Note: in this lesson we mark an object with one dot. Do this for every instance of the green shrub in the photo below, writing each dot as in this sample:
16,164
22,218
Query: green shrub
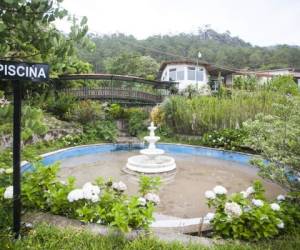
60,104
285,85
136,121
86,112
104,130
104,202
276,138
232,139
32,121
115,111
248,215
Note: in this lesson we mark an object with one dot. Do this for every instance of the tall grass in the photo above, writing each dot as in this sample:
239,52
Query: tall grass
201,114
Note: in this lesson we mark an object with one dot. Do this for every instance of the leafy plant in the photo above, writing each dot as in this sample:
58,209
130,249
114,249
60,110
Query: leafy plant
104,203
232,139
86,112
104,130
60,105
149,184
248,215
136,121
276,137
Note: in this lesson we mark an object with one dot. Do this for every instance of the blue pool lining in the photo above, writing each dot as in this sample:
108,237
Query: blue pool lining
170,148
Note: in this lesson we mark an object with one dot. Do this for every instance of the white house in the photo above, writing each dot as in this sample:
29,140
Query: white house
197,74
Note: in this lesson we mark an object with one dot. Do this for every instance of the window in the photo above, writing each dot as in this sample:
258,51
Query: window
164,78
199,75
172,75
191,73
180,75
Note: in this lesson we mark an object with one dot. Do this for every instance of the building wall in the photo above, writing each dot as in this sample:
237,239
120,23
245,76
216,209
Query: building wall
184,82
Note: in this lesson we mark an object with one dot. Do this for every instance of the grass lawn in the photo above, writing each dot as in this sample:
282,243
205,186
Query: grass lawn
51,238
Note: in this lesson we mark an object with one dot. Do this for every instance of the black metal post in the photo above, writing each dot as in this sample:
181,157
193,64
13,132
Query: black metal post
17,159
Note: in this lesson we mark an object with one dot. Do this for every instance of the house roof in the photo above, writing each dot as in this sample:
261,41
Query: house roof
211,68
270,73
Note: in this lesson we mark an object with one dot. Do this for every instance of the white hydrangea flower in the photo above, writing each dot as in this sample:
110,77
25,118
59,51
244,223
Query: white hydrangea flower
220,190
209,217
9,192
280,197
244,194
232,209
2,170
152,197
250,190
210,195
142,201
94,198
275,207
280,224
91,192
257,202
247,209
120,186
75,195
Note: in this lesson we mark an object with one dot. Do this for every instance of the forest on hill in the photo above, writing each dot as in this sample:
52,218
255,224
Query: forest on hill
111,51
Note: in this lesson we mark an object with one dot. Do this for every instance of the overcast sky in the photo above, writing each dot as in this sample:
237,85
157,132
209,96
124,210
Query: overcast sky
260,22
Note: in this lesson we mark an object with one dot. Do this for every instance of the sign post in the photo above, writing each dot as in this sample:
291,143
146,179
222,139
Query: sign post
17,71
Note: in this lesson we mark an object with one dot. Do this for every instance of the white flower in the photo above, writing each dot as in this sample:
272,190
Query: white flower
247,209
75,195
275,207
244,194
142,201
280,224
91,192
2,171
257,203
232,209
63,183
9,192
220,190
28,225
152,197
280,197
210,195
120,186
209,217
250,190
94,198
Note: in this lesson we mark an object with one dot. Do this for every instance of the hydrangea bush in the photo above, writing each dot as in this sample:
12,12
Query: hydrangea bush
103,202
248,215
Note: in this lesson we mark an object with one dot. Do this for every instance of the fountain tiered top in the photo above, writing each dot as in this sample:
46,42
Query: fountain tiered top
151,159
152,139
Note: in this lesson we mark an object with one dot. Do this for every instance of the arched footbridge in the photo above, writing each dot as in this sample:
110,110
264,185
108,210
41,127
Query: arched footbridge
114,91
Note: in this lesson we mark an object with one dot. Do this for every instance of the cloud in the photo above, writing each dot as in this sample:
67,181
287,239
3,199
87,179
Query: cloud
262,23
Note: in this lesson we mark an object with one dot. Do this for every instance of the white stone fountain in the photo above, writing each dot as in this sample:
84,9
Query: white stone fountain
151,159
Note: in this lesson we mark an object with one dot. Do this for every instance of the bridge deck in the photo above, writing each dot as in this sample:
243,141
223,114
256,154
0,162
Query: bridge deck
106,93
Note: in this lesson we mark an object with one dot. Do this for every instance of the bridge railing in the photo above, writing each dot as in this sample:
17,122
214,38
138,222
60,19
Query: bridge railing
114,93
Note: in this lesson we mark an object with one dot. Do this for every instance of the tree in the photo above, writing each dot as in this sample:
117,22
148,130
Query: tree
27,33
133,64
277,138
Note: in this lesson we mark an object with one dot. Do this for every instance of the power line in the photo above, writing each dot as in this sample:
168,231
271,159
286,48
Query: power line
157,50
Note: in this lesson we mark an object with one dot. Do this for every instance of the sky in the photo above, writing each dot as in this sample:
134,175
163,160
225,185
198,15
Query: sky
260,22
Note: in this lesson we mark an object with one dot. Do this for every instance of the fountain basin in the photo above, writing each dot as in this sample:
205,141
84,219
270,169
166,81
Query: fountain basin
152,152
144,164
